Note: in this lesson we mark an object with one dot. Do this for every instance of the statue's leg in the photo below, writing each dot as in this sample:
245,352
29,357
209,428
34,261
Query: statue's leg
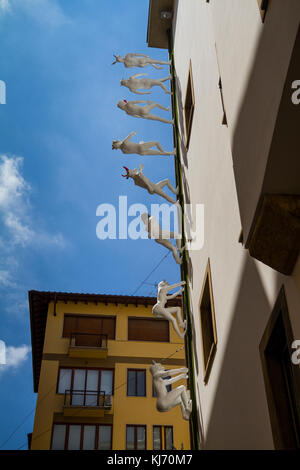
146,146
177,311
161,193
152,117
179,317
156,67
176,328
150,107
185,399
174,396
167,244
166,182
164,88
157,144
165,79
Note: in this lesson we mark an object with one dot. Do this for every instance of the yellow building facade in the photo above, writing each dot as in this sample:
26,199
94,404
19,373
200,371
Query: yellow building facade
91,356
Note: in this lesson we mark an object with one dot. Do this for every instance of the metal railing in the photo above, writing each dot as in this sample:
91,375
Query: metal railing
89,340
87,398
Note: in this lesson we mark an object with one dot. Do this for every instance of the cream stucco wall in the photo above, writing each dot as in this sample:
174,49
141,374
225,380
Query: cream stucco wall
232,406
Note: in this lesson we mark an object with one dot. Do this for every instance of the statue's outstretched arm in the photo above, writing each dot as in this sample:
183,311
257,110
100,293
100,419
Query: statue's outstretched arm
141,92
175,379
139,75
129,136
178,284
171,372
136,54
173,296
140,102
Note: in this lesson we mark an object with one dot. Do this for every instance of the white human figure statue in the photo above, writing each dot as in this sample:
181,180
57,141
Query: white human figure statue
132,60
132,108
142,148
134,84
163,236
177,396
160,310
153,188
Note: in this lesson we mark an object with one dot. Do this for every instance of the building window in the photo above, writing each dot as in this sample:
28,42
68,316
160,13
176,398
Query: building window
136,382
88,330
282,377
81,437
135,437
148,329
263,6
163,438
208,324
168,437
189,106
85,385
224,120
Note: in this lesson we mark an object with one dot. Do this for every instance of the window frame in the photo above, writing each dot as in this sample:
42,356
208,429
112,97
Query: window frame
136,426
207,365
163,437
136,382
189,124
67,430
73,368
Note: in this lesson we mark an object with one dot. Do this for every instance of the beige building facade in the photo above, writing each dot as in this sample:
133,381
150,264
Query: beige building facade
237,66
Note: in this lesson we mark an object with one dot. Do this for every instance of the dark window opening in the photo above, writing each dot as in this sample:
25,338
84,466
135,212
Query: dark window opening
224,120
263,6
189,106
81,437
135,437
208,324
136,383
281,378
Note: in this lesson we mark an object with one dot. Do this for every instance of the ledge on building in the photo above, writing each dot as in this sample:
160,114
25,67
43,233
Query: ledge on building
275,235
159,24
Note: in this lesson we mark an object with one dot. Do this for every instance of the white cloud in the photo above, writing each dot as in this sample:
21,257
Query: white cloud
15,208
12,184
4,6
15,357
6,278
47,12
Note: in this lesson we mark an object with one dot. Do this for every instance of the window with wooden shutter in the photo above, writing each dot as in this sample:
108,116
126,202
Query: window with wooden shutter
147,329
89,329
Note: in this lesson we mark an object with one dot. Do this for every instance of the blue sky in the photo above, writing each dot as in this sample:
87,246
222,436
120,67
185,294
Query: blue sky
57,166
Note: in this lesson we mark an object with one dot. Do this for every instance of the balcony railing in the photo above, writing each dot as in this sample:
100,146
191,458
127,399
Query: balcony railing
88,340
87,398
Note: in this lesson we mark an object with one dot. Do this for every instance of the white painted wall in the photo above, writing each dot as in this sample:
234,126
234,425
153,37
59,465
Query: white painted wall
233,404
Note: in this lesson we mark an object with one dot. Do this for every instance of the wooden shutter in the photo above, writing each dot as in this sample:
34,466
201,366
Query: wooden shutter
91,325
109,327
70,326
144,329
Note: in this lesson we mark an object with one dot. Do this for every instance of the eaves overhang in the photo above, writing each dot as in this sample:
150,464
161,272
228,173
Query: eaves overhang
158,26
